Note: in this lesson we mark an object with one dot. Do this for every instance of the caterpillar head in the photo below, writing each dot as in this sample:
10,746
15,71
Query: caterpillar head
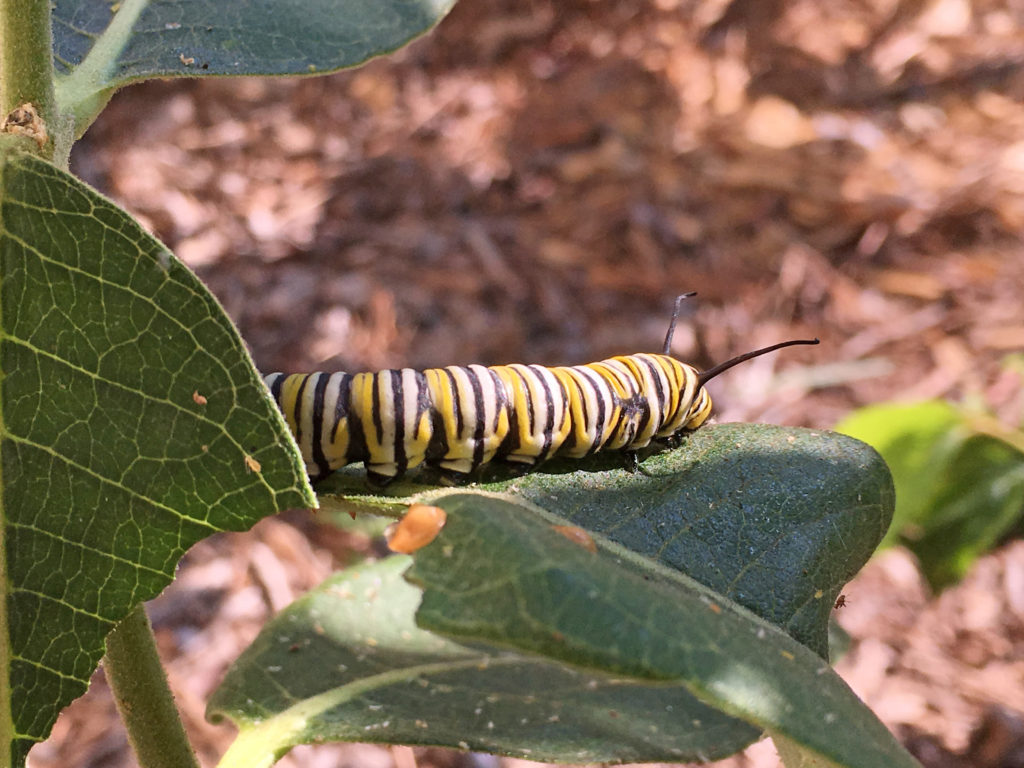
700,408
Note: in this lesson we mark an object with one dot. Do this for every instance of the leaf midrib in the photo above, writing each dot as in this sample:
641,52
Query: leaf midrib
92,75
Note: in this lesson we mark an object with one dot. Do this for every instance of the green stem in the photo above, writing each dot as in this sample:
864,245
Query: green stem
85,90
145,702
26,59
261,743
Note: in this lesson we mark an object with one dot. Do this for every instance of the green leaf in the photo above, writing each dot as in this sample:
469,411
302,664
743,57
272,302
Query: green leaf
347,663
501,576
755,512
101,45
973,505
133,425
919,442
958,492
769,515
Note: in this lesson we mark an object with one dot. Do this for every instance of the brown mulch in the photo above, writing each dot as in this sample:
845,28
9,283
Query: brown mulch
536,181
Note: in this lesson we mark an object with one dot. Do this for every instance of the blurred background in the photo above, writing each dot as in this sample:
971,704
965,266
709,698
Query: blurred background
536,181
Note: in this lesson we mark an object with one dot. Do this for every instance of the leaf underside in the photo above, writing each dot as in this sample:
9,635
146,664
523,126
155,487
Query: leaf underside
244,37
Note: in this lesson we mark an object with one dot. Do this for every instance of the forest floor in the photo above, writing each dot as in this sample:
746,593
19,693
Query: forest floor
536,181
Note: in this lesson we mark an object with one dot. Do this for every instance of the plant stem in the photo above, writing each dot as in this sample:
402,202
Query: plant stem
143,698
26,59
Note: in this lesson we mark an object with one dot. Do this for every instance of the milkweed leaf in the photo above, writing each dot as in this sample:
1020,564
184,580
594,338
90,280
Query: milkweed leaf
132,423
757,512
550,650
347,662
100,46
959,490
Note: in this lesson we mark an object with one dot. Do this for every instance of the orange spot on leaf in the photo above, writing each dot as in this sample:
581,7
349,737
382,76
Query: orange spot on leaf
577,536
418,528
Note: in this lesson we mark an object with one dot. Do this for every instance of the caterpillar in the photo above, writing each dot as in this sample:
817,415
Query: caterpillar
459,418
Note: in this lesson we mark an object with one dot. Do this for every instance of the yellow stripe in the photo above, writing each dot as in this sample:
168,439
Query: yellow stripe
700,410
442,399
584,395
289,391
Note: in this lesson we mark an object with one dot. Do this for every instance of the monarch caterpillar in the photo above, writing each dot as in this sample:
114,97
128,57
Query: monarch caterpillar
461,417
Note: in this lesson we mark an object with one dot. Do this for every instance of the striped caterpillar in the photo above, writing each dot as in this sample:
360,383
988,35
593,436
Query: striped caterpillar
461,417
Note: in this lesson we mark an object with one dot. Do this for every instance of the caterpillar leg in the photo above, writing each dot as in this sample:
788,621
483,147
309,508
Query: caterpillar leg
378,480
633,464
674,441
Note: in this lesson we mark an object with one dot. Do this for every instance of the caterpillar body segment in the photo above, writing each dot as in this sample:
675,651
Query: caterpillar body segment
470,415
537,412
594,408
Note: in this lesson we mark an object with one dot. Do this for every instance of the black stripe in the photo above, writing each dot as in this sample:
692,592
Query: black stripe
636,404
644,396
500,398
456,404
656,374
318,423
501,404
517,443
356,450
423,404
601,410
275,387
570,442
617,402
549,425
676,383
378,423
479,427
423,407
437,448
342,404
401,455
298,408
531,416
